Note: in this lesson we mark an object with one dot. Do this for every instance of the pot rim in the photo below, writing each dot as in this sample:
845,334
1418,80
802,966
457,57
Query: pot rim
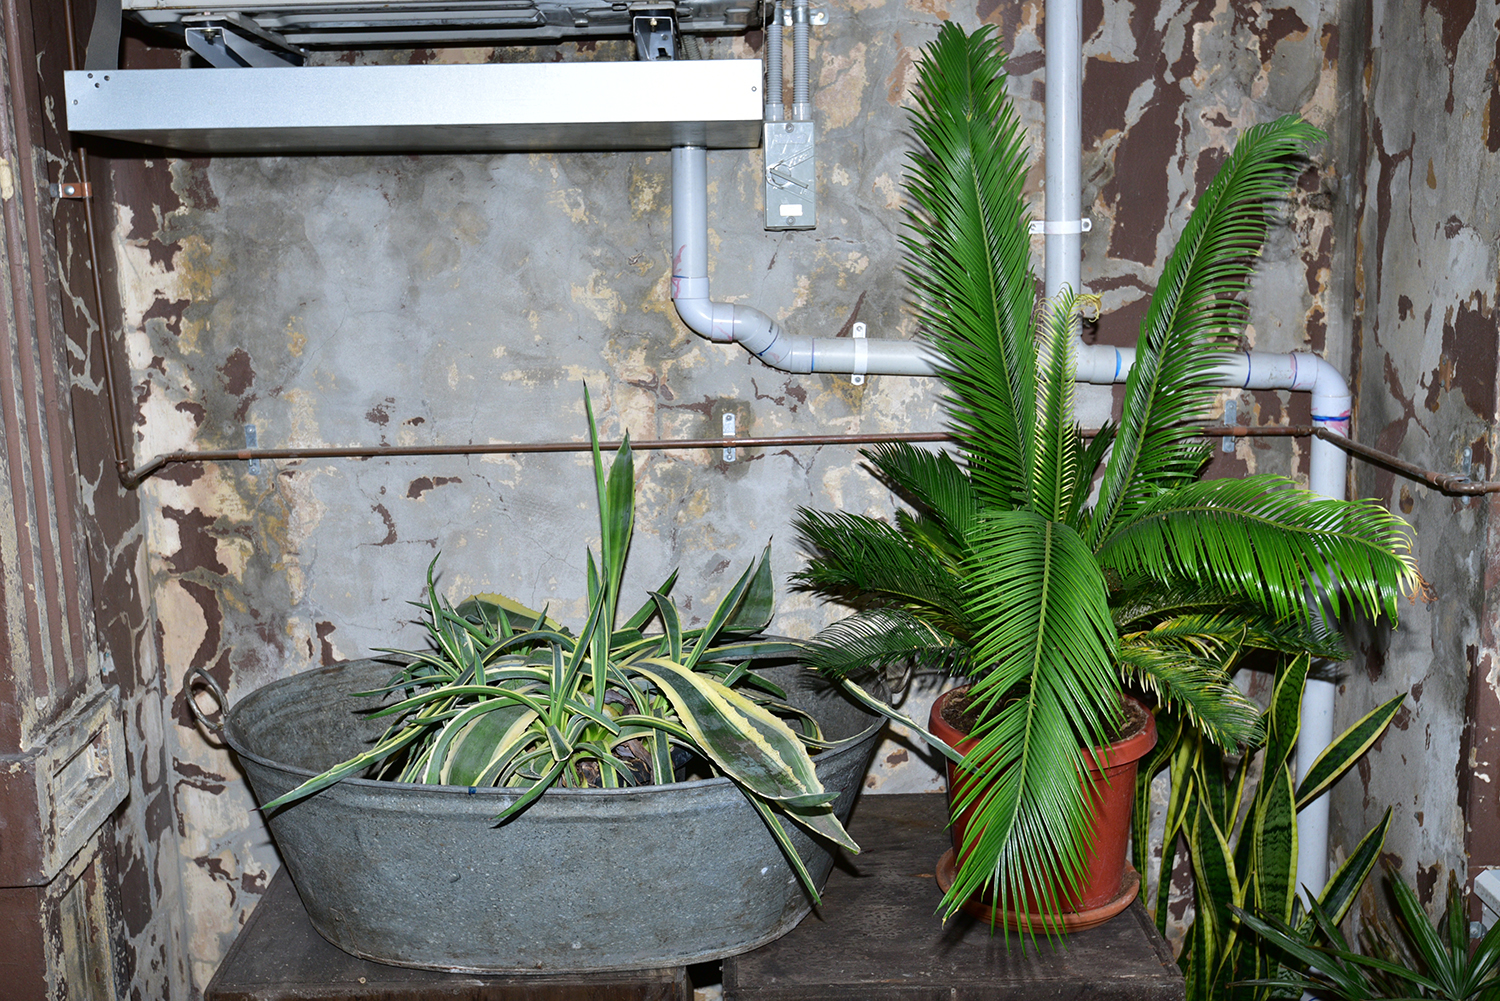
1108,756
231,737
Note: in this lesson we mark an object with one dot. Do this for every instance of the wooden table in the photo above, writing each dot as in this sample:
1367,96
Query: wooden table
877,937
278,956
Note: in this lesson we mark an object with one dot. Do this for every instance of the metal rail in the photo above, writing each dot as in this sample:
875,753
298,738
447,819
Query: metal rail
1447,483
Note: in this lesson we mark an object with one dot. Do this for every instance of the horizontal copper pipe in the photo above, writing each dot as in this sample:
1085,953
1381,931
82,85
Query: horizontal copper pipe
134,477
1445,482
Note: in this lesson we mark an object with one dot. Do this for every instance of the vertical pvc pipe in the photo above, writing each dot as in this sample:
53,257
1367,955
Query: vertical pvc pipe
1064,150
1328,476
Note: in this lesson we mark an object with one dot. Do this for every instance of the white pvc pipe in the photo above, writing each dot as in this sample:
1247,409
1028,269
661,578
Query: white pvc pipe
1104,365
1098,364
1063,189
761,335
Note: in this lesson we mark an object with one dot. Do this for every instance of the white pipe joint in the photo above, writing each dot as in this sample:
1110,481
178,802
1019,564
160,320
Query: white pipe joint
725,322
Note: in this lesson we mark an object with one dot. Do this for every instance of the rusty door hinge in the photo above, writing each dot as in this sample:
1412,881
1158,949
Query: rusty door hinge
71,189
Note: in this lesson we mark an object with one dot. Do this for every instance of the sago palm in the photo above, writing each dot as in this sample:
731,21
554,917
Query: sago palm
1054,569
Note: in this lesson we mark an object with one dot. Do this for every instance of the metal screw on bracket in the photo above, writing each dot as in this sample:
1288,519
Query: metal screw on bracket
729,432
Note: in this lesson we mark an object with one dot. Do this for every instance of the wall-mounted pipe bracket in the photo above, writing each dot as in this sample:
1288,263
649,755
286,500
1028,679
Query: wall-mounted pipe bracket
1061,227
817,14
861,355
1231,409
729,428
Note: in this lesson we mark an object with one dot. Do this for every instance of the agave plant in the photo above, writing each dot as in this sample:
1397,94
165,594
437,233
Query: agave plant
1051,568
506,696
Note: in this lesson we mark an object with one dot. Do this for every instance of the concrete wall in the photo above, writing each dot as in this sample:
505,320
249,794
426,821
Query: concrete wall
447,299
1425,185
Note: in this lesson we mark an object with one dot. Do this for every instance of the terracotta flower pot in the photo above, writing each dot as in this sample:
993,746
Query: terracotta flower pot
1110,884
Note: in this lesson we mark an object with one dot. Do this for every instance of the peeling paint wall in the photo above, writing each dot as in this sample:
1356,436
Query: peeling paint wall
1424,345
442,299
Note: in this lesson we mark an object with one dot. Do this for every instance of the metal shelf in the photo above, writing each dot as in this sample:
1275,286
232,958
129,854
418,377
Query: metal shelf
503,107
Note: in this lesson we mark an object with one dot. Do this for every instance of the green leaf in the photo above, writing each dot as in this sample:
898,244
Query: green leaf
754,611
1274,858
1192,320
1340,755
1342,889
749,744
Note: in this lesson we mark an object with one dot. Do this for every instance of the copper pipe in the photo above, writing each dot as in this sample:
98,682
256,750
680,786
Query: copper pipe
1447,483
136,476
1444,482
119,432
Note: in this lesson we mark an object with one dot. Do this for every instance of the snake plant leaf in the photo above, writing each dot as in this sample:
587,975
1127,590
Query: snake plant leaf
789,850
748,744
1340,755
933,740
671,623
821,820
1284,716
726,609
354,766
1218,889
1343,888
1274,849
497,608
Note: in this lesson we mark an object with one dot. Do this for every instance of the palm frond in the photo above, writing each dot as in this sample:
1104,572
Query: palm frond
932,482
1193,319
858,558
890,640
1035,589
970,259
1057,437
1185,662
1264,540
1143,602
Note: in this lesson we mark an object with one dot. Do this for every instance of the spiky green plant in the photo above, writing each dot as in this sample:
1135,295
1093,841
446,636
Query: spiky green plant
505,696
1005,570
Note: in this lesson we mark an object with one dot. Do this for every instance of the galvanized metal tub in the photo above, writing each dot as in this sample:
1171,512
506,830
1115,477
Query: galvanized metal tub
584,879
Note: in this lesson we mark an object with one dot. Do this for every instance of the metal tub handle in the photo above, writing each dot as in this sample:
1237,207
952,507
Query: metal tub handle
215,727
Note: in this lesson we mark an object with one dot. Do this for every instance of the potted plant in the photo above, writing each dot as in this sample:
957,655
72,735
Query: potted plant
1054,570
522,797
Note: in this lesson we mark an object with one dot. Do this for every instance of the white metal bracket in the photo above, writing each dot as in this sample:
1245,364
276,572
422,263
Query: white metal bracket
861,356
817,13
1231,409
1041,227
729,432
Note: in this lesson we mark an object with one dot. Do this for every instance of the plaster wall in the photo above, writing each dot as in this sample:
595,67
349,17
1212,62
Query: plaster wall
446,299
1424,347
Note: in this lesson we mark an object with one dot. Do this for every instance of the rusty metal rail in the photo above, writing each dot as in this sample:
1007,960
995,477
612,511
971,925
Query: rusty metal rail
1447,483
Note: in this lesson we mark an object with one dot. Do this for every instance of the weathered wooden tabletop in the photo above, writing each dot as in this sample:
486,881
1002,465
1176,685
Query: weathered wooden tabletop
877,936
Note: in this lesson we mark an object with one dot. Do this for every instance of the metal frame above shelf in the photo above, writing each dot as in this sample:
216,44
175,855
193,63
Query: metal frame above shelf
501,107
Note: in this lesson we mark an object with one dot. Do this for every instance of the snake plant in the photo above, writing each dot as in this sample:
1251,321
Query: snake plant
1237,818
506,696
1051,568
